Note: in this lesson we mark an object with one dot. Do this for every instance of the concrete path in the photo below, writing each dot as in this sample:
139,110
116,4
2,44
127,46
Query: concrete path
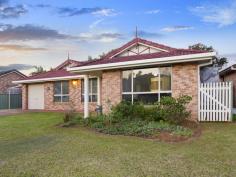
10,112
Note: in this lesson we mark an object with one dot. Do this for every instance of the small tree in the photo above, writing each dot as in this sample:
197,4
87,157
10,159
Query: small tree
38,70
174,110
217,61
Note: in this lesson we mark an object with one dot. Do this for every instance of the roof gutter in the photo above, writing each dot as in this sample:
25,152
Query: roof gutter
47,79
144,62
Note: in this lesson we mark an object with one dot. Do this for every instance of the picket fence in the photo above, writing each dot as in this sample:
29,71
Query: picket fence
215,101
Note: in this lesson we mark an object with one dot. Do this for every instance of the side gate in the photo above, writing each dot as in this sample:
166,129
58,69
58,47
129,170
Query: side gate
10,101
215,102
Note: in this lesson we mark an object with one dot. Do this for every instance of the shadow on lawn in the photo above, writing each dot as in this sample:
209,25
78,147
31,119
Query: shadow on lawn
26,145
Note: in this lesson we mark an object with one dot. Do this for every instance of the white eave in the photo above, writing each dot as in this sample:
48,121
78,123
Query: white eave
47,79
145,62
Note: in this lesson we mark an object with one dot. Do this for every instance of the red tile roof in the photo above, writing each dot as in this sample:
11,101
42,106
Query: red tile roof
67,63
178,52
51,74
170,52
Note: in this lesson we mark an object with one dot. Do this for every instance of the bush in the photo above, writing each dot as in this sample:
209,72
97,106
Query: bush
128,111
173,110
68,116
234,117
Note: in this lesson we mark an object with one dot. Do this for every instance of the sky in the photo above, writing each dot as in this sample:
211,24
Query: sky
43,32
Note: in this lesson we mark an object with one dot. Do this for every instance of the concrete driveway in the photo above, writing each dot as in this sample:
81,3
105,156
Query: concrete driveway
10,112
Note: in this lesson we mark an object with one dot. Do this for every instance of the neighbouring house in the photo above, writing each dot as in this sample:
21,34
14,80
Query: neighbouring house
229,74
140,70
6,78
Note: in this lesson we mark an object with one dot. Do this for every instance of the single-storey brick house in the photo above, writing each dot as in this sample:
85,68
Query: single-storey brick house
229,74
6,78
140,70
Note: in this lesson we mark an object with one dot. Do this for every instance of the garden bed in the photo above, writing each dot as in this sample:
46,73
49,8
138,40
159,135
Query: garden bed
166,121
161,131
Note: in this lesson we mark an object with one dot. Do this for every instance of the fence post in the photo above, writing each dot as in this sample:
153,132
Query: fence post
231,100
9,99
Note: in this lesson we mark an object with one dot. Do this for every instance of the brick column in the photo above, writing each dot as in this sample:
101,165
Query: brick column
111,89
24,97
185,82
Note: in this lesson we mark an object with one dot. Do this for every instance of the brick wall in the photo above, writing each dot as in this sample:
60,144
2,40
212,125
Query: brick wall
185,82
111,88
231,77
49,104
6,81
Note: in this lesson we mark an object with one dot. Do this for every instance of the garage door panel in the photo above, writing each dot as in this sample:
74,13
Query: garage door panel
36,96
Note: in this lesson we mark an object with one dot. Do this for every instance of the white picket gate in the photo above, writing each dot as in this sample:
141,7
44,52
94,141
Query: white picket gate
215,101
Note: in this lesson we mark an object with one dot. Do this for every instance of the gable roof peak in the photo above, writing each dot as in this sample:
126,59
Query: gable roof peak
137,40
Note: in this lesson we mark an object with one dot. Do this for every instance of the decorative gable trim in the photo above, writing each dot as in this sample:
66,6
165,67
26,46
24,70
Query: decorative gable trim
135,41
139,43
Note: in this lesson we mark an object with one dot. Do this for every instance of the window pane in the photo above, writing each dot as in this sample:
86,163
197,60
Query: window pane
146,98
165,94
146,80
94,98
165,78
126,97
65,99
65,87
57,98
57,88
126,81
94,85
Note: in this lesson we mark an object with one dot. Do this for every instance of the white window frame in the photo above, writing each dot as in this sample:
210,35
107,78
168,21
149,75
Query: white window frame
91,94
159,92
61,95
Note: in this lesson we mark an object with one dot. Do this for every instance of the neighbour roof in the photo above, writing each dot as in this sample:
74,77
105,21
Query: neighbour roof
228,70
10,71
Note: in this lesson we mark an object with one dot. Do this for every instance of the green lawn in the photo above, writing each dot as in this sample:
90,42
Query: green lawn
31,145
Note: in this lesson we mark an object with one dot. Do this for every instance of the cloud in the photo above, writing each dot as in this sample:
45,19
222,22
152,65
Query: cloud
7,11
95,24
101,37
29,32
67,11
149,34
221,15
13,47
16,66
177,28
156,11
42,6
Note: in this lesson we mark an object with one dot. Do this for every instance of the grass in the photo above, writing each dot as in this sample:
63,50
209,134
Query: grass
31,145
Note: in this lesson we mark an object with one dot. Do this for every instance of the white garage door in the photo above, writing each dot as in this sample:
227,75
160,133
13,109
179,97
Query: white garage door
36,96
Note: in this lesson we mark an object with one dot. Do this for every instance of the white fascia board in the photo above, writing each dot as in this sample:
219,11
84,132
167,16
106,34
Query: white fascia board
145,62
47,79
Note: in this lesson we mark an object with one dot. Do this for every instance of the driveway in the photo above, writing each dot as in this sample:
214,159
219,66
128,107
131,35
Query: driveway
6,112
